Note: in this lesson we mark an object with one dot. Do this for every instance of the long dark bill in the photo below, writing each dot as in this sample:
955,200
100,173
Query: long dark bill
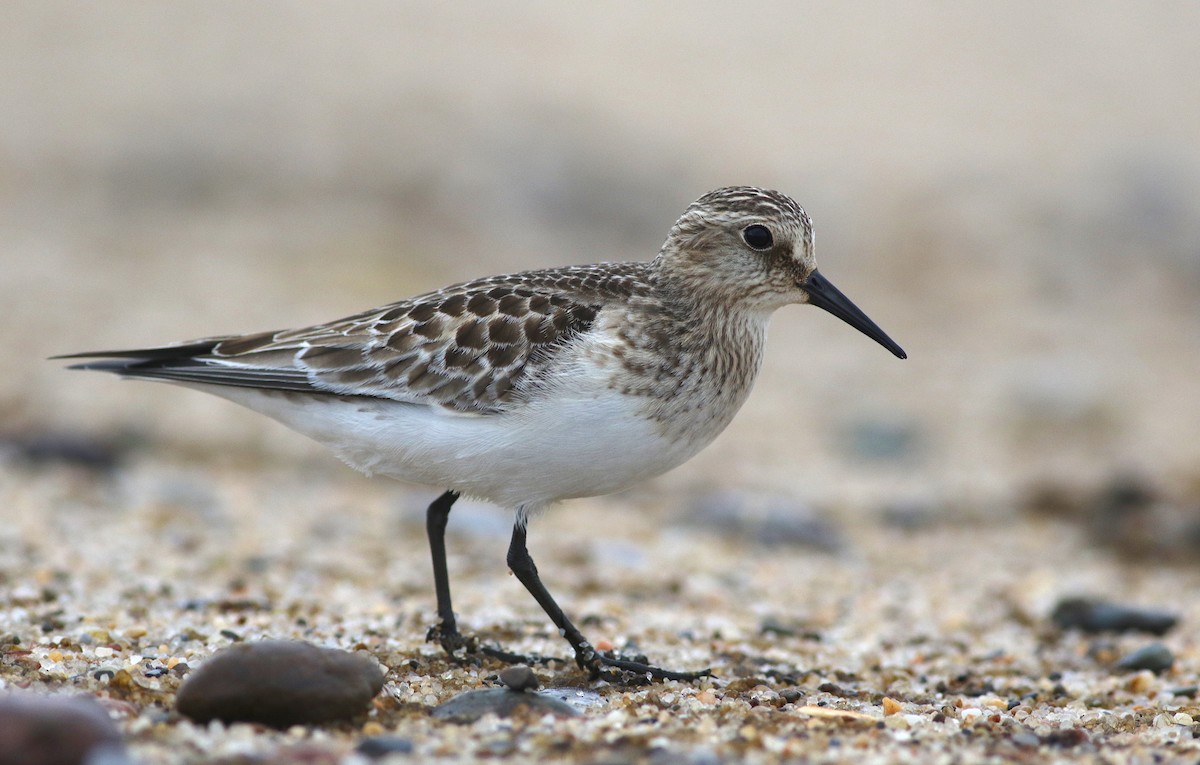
823,294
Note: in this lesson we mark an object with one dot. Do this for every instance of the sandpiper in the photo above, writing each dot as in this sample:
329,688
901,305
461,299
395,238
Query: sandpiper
534,387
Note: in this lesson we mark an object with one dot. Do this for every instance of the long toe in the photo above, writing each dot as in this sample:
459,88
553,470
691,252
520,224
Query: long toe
621,671
452,641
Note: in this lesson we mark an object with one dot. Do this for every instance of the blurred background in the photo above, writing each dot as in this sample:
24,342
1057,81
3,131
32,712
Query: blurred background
1010,190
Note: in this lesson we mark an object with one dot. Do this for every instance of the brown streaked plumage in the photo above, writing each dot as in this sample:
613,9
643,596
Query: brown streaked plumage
472,347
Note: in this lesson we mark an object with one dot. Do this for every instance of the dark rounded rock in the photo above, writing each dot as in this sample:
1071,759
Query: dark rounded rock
519,678
766,519
381,746
77,449
881,440
1091,615
280,683
56,730
1066,738
1025,739
1155,657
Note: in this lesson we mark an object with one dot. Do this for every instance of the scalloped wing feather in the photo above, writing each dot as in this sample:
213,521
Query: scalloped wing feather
472,348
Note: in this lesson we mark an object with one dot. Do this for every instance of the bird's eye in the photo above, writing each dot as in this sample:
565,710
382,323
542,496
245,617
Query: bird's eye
758,237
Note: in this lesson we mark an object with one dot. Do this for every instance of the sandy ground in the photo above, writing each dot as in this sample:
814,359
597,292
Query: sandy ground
168,561
1007,191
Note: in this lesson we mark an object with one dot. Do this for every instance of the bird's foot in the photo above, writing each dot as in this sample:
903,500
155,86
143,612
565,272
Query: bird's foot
451,640
628,670
617,669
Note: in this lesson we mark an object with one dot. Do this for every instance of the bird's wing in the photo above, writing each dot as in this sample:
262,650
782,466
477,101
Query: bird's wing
473,348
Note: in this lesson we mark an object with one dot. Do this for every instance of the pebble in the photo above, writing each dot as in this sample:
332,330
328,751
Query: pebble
56,730
1093,615
1066,738
579,699
76,449
1025,739
766,519
910,515
1140,522
708,698
376,747
519,678
782,627
503,702
1141,683
280,683
1155,657
880,440
832,713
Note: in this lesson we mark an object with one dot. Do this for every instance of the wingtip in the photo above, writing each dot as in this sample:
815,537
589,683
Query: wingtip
135,355
101,360
100,365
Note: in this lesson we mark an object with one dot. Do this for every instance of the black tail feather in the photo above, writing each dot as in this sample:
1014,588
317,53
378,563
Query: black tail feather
164,353
188,364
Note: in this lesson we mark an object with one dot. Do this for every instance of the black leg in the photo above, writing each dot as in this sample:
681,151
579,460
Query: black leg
597,664
446,631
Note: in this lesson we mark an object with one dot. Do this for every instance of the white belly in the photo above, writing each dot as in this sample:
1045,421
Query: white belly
585,440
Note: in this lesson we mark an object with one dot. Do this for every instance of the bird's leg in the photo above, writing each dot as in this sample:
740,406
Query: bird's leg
446,631
598,665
